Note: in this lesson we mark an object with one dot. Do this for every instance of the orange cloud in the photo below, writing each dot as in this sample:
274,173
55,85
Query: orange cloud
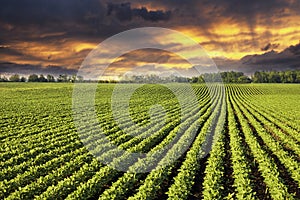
235,40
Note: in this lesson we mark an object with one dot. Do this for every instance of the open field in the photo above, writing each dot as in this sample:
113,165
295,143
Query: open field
256,154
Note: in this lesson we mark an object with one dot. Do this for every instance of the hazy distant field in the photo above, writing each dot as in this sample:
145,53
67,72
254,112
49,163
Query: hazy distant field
256,156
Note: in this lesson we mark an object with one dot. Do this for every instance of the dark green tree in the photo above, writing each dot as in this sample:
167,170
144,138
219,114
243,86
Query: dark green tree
195,79
50,78
62,78
3,79
33,78
80,79
23,79
42,78
244,79
14,78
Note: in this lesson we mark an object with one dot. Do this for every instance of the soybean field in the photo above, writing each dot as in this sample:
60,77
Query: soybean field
238,141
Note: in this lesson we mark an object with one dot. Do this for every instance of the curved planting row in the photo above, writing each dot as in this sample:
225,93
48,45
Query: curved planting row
227,137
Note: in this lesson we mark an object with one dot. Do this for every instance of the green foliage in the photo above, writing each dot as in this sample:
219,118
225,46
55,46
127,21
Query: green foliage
277,77
33,78
42,78
14,78
225,77
42,156
3,78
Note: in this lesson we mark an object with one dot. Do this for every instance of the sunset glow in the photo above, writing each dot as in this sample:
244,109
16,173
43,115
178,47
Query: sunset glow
31,37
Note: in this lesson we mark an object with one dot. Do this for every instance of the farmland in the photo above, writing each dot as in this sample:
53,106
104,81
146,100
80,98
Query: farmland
255,155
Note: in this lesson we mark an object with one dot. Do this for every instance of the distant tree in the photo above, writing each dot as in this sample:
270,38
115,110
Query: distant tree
258,77
33,78
3,79
244,79
277,77
22,79
73,78
14,78
195,79
201,79
231,77
265,77
291,76
212,77
298,77
80,79
50,78
274,77
282,77
226,77
42,78
180,79
62,78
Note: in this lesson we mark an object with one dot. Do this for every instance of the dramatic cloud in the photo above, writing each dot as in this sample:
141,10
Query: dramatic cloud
295,49
26,69
288,59
124,12
270,47
62,32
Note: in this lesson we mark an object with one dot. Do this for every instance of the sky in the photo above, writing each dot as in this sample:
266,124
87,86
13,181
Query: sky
55,36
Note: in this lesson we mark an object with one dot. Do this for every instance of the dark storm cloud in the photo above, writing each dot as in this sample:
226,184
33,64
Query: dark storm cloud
10,68
62,23
27,19
151,55
295,49
269,46
6,50
252,10
53,20
124,12
76,18
288,59
85,18
236,9
45,12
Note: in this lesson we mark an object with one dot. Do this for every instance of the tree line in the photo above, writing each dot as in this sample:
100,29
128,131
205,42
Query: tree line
290,76
277,77
42,78
226,77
